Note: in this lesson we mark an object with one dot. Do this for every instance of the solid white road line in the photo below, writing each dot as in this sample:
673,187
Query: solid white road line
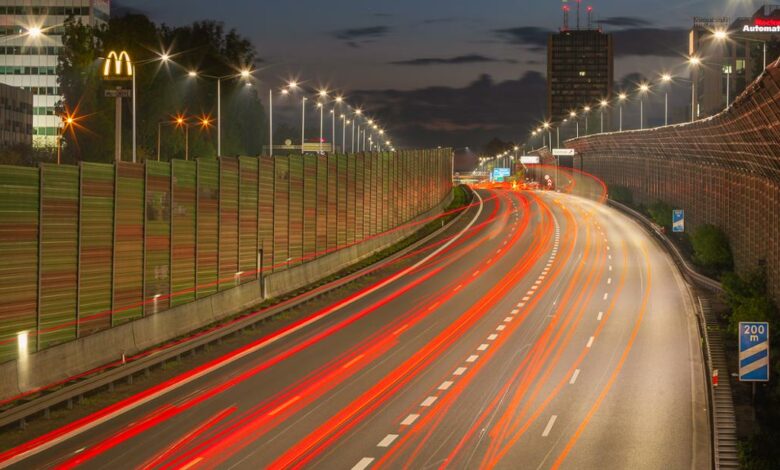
549,426
363,463
410,419
387,440
574,376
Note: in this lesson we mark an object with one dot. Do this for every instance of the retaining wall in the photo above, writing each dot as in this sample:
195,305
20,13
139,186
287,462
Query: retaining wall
723,170
92,247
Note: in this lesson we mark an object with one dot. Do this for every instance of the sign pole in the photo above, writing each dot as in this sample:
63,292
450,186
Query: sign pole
118,130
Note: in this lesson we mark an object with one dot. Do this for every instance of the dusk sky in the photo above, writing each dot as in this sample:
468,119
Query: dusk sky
449,72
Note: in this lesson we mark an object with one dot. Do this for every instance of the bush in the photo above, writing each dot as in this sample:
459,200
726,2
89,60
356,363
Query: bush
621,194
711,248
661,213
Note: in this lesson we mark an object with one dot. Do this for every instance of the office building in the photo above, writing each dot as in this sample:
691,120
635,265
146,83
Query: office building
30,40
16,116
579,70
729,63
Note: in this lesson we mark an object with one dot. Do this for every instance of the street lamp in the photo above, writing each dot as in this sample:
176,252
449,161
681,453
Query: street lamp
643,89
68,121
573,116
244,74
694,62
621,98
603,104
587,111
666,78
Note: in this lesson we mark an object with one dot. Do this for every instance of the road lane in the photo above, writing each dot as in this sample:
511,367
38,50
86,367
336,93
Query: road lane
527,342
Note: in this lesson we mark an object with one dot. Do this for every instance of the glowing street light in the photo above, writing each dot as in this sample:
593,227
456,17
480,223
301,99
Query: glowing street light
244,74
621,98
643,89
602,105
666,78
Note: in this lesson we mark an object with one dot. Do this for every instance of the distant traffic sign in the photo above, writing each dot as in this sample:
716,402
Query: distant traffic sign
678,220
563,152
753,351
500,173
529,160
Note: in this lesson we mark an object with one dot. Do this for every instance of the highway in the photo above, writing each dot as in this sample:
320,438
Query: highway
547,331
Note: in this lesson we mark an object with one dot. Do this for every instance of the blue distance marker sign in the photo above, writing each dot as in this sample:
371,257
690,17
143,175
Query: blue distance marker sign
678,220
753,351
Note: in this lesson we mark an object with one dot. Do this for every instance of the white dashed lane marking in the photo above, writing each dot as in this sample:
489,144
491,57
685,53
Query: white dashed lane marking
459,371
428,401
363,463
549,426
387,440
574,376
590,342
445,385
410,419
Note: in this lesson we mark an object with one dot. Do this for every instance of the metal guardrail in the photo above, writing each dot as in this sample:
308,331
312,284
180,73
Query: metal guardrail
722,417
76,390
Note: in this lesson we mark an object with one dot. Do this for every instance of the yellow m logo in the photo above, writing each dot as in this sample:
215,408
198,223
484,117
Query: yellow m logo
118,60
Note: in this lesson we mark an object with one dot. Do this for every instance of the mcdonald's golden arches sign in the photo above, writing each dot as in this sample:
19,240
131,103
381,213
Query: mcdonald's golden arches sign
118,66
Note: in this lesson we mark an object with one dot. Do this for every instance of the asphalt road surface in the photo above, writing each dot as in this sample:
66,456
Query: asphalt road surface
552,332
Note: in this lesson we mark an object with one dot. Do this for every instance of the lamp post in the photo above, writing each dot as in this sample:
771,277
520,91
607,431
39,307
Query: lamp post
546,125
164,58
666,78
621,98
344,123
694,62
587,112
243,74
67,123
603,104
643,89
303,122
573,117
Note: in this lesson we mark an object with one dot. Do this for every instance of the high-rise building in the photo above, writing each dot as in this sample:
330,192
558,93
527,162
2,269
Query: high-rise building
16,107
731,54
30,40
579,70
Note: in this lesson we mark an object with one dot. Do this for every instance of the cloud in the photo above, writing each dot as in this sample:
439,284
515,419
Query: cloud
355,37
457,60
624,21
452,116
531,36
650,42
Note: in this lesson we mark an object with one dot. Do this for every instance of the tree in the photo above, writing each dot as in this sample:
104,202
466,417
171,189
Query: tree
661,213
711,248
757,54
164,90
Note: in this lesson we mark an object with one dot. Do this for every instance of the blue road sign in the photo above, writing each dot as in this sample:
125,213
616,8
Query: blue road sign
753,351
500,173
678,220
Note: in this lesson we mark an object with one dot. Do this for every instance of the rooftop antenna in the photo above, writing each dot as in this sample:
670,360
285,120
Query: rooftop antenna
590,16
566,17
578,14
